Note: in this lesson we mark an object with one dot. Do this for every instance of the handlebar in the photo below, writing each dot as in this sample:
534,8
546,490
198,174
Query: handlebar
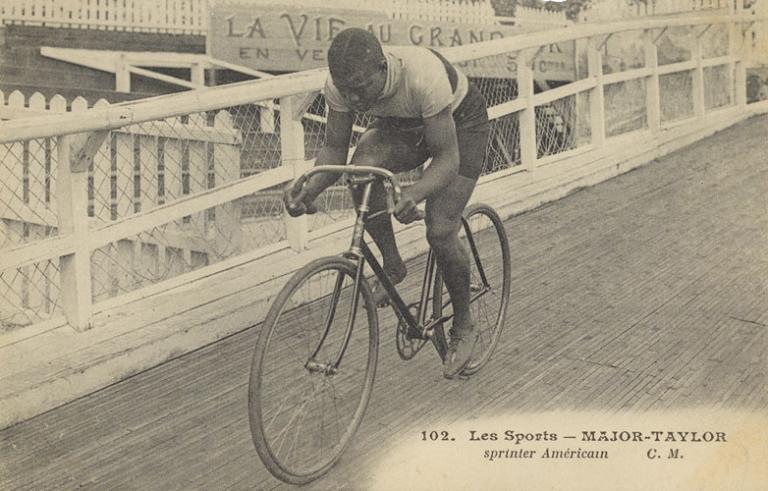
393,189
359,174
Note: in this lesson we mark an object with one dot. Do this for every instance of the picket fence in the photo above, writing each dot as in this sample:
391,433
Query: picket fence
171,16
532,16
191,16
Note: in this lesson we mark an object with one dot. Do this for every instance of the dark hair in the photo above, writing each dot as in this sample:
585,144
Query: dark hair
354,52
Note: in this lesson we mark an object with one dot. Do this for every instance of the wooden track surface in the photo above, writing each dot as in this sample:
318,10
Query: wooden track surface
645,292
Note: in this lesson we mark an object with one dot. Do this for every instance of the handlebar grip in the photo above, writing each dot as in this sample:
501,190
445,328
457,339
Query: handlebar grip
294,203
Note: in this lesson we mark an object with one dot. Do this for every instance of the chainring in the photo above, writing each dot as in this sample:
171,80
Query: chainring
407,347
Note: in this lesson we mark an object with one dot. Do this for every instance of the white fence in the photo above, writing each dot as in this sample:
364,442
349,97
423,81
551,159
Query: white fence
171,16
135,169
459,11
756,32
633,105
531,16
607,10
191,16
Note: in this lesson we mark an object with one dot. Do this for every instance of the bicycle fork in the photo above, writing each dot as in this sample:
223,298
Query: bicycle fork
355,253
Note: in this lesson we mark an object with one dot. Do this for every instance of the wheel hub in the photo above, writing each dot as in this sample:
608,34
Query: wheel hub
323,368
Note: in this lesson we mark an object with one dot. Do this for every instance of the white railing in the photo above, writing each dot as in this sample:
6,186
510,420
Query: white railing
569,134
608,10
191,16
458,11
171,16
533,16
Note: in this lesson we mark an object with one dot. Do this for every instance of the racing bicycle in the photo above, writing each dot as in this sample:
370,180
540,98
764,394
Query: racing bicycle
315,359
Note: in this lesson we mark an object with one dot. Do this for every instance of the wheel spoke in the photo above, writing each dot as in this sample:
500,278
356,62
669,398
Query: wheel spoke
298,432
302,420
287,427
336,411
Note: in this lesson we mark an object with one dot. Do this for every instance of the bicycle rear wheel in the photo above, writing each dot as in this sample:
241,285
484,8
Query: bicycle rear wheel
490,271
302,412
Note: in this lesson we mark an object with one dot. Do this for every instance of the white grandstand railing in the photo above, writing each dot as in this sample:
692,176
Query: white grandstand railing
191,16
76,138
172,16
611,10
756,33
459,11
534,16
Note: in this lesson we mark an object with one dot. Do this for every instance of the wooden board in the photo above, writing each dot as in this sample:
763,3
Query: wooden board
642,293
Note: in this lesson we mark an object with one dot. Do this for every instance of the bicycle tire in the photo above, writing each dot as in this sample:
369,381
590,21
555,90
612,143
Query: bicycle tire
283,393
489,311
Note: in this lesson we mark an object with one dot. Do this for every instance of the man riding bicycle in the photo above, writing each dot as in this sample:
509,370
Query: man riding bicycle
424,108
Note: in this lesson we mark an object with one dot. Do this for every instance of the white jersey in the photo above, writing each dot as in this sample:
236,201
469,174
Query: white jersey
417,86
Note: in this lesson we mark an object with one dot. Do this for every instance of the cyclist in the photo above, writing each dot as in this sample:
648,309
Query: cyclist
424,108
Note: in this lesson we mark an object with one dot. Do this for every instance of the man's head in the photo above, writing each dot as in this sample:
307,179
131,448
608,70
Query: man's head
358,66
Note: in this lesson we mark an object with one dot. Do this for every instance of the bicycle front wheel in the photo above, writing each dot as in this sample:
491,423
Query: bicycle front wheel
304,408
490,280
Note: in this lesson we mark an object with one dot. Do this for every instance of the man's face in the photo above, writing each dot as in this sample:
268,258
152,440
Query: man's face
362,90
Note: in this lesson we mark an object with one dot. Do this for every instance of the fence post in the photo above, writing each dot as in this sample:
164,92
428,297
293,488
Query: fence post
697,84
122,75
527,119
596,95
292,154
652,91
197,74
74,269
737,48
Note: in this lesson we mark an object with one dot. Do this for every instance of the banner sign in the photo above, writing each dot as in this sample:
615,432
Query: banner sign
293,39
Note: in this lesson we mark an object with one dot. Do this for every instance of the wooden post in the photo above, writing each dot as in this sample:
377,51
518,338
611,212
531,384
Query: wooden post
596,95
75,269
292,151
527,118
697,84
652,91
122,75
737,49
197,74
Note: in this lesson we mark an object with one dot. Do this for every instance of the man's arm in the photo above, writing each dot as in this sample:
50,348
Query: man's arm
338,130
440,136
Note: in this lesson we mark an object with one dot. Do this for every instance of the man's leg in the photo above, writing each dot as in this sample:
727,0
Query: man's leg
396,152
444,212
443,221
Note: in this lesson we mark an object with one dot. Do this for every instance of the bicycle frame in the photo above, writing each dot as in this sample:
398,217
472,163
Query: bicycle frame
417,327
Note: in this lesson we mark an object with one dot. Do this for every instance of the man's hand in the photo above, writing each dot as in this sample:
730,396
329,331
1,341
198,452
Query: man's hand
405,209
294,202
